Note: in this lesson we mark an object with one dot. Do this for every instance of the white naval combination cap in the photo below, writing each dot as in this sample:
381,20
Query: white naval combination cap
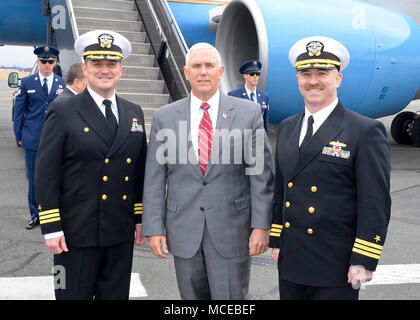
318,52
103,45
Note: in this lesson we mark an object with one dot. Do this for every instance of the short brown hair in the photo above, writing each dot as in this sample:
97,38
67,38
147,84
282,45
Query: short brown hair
74,72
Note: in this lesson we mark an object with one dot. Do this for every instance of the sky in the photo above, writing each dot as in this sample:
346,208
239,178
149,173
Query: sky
17,55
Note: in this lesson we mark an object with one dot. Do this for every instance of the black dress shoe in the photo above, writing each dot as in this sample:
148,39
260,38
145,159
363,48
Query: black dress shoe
32,223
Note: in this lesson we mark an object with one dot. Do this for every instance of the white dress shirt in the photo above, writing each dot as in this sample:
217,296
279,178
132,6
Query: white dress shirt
50,80
99,102
319,118
196,114
248,92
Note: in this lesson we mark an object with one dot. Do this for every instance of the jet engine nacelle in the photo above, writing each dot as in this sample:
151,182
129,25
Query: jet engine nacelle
382,77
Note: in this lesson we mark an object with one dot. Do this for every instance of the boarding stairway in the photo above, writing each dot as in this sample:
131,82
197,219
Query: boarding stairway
141,81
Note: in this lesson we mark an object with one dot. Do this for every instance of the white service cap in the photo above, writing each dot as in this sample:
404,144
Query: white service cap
103,45
320,53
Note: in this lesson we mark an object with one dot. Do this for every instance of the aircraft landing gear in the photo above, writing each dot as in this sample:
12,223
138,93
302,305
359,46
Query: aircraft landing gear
405,128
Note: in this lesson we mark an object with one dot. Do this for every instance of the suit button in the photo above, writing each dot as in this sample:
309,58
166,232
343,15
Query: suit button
290,184
106,160
128,160
202,208
287,225
105,178
126,179
124,197
104,197
205,182
287,204
311,210
314,189
310,231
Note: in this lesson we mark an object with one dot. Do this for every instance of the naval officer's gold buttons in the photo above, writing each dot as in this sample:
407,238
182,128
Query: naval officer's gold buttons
311,210
287,204
105,178
290,185
314,189
86,129
124,197
104,197
106,160
310,231
126,179
128,160
287,224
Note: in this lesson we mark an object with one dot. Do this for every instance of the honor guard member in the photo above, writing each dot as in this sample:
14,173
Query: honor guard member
36,93
251,73
332,195
89,176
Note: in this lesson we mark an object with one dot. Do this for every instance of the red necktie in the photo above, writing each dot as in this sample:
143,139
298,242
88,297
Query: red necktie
205,138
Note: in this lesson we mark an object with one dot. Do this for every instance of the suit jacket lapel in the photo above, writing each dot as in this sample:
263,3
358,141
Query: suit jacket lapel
93,116
54,87
37,84
183,115
327,132
124,125
292,145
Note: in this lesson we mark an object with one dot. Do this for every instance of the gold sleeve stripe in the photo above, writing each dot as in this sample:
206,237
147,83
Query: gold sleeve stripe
371,255
275,230
49,216
369,244
48,212
138,212
356,245
276,226
49,220
138,205
275,234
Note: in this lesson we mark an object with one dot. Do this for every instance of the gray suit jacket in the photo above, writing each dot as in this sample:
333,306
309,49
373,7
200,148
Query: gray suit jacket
178,200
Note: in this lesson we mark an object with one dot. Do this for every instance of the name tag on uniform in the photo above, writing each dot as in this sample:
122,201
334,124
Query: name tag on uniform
31,91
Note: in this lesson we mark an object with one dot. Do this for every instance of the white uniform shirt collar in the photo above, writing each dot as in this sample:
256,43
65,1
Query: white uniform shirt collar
319,118
68,87
248,92
50,80
99,102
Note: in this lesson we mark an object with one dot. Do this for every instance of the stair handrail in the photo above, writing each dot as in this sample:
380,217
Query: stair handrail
164,40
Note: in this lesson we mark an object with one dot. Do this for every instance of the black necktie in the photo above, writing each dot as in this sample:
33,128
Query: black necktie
110,117
308,134
252,96
45,87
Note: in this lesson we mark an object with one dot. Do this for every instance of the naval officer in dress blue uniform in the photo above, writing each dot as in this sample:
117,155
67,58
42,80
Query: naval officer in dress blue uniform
89,176
36,93
332,189
251,73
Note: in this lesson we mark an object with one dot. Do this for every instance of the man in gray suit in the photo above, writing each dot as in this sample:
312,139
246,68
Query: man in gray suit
206,199
75,81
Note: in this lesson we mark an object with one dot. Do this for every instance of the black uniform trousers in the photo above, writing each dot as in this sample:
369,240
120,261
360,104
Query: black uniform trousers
293,291
100,273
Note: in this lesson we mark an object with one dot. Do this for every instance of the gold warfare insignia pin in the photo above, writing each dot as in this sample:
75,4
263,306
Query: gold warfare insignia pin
105,40
337,144
314,48
377,238
336,150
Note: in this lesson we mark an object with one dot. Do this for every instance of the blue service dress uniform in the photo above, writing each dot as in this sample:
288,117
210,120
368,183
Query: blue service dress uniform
262,99
332,201
31,105
89,184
